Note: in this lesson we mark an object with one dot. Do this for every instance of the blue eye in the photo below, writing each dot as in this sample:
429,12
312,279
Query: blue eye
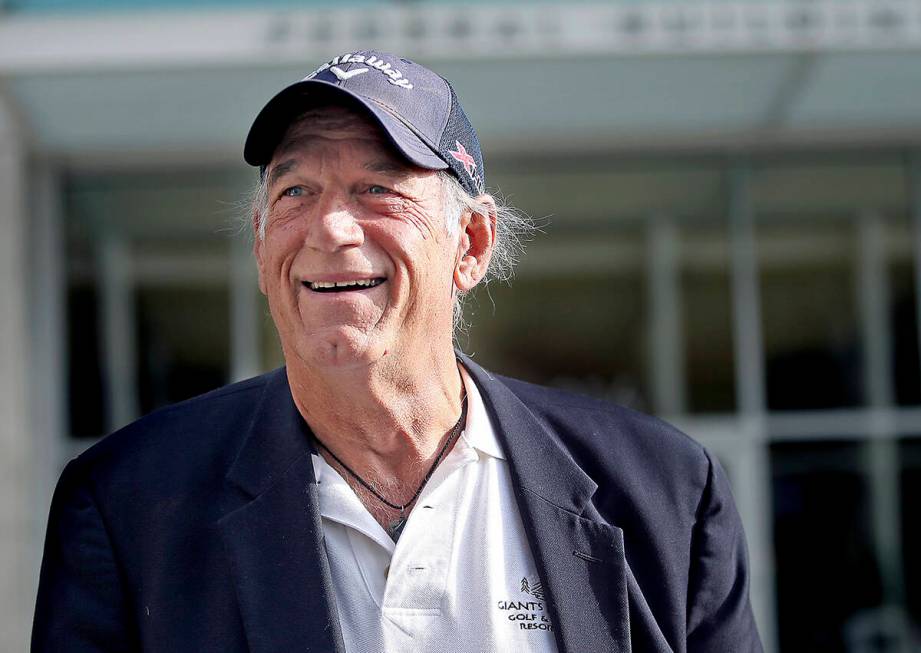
294,191
378,190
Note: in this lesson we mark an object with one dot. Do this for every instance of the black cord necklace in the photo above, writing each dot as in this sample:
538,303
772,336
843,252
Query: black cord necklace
396,526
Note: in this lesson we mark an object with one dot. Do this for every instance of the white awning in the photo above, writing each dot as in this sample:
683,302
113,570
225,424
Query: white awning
178,86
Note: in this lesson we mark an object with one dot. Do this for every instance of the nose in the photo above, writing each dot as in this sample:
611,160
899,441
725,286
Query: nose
334,225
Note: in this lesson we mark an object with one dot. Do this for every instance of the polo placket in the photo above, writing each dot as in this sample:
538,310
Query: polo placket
418,576
407,581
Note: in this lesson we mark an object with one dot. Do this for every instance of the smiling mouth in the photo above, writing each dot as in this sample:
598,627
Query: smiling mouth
343,286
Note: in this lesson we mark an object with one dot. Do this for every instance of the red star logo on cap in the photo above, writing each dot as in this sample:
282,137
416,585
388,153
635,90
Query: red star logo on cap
461,155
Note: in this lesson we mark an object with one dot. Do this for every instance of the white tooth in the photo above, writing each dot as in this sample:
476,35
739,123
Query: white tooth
364,283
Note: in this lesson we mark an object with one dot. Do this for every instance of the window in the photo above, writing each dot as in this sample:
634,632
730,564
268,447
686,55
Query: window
150,292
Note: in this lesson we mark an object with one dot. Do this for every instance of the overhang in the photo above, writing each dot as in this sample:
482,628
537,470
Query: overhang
555,77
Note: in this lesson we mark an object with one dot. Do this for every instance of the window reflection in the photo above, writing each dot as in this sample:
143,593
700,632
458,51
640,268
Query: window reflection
183,343
809,313
826,571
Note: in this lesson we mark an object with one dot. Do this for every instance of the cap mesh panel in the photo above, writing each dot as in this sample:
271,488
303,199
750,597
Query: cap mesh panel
459,130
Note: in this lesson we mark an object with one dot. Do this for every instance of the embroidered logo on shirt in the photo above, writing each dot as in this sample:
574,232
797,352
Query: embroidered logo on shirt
534,589
527,613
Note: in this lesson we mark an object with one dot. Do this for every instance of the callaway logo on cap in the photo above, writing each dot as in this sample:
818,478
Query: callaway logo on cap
416,108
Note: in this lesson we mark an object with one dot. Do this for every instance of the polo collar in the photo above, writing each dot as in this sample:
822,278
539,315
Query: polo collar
479,432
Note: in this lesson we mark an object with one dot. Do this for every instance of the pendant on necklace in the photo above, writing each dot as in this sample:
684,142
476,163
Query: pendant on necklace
395,528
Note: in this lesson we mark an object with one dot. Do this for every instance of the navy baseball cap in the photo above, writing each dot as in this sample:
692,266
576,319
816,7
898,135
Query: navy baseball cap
415,107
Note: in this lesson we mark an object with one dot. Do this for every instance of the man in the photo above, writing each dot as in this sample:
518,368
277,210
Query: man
382,492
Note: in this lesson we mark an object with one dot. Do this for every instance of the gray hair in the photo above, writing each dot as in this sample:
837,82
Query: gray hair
513,229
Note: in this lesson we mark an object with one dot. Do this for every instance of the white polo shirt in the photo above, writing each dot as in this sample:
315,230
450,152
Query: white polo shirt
461,577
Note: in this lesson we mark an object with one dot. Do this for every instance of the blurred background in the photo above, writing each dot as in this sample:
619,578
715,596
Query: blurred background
730,195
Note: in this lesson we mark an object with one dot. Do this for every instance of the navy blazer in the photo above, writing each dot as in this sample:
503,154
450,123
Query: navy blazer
197,528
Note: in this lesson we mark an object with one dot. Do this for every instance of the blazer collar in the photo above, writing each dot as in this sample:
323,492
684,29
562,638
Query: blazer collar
579,556
539,464
277,437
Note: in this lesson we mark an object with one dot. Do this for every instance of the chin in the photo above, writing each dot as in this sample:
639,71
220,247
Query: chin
343,348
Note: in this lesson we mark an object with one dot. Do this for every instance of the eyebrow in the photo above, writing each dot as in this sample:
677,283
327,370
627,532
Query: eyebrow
384,166
280,171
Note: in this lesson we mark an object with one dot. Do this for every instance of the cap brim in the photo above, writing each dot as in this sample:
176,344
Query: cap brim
273,121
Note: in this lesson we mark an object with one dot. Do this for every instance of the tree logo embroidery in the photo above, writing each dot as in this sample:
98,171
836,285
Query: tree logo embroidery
534,589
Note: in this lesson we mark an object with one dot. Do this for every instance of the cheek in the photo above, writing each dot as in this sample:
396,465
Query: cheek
279,250
284,218
411,213
427,262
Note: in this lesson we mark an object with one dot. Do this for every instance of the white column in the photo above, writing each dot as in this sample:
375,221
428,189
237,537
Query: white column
47,330
752,474
244,311
914,183
746,298
881,448
666,342
17,583
118,331
873,300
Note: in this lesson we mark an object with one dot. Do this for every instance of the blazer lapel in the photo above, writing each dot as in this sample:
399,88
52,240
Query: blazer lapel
274,536
580,557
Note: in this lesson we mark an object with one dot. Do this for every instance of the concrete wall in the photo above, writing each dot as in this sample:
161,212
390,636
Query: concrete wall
18,553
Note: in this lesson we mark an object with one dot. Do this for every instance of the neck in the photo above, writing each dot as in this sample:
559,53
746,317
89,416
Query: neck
386,419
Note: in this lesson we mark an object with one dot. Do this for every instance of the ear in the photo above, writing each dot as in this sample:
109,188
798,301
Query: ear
475,245
258,245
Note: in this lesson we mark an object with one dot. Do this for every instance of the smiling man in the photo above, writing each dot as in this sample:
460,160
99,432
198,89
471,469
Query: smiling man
382,492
